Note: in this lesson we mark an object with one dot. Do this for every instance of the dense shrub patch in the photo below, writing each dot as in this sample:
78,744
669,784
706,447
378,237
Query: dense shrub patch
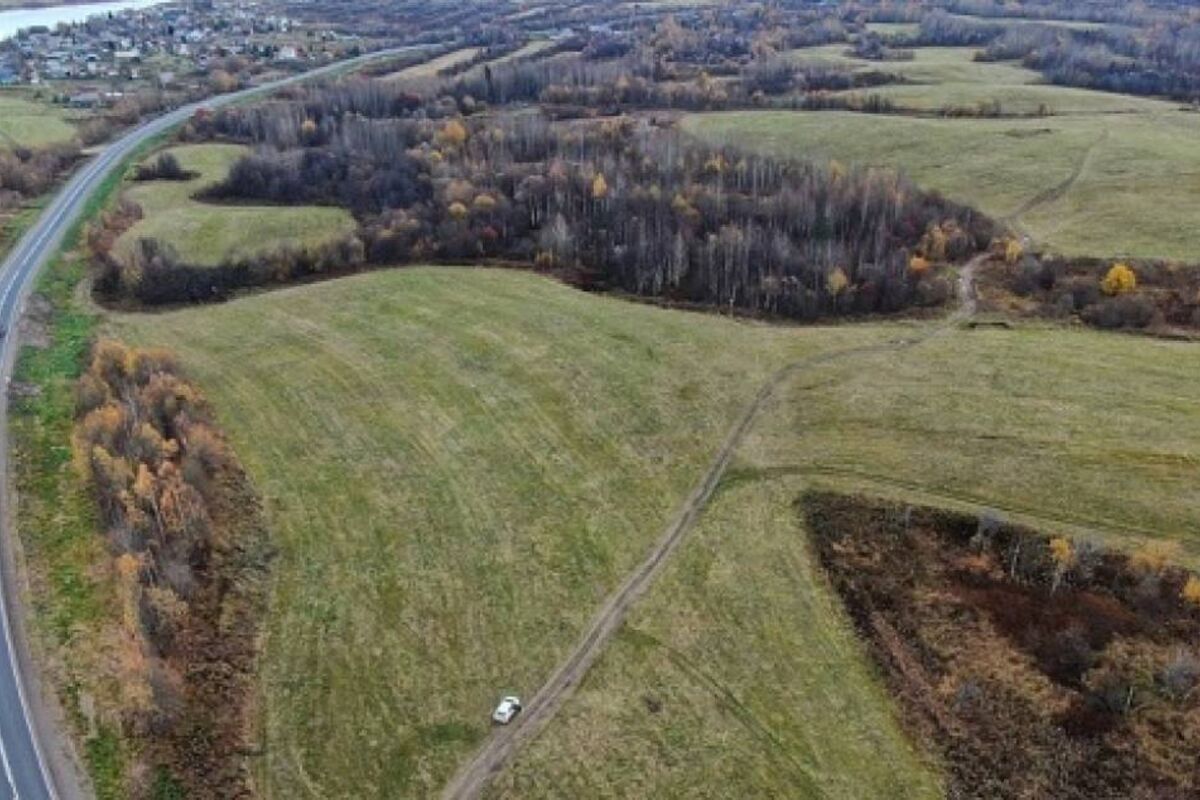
1036,666
1142,294
189,555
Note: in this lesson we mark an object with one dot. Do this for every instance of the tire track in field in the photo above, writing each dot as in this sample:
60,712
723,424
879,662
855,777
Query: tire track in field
1042,517
475,775
1056,192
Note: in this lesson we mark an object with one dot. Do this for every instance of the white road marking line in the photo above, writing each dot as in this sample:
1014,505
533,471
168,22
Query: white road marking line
8,770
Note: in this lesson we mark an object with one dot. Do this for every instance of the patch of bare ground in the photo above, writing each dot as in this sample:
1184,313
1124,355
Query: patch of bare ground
1034,667
34,328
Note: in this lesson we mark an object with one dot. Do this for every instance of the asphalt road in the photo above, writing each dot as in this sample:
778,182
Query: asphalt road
26,730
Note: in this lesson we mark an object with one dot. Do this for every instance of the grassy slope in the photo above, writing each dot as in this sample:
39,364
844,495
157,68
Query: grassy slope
1095,432
736,670
736,676
532,48
894,28
430,68
951,76
31,123
1078,25
1135,194
457,466
204,233
457,463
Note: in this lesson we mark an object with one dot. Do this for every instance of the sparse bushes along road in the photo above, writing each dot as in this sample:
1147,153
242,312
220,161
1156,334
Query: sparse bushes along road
181,523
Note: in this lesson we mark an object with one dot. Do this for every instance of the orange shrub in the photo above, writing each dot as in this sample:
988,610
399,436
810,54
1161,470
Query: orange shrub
918,265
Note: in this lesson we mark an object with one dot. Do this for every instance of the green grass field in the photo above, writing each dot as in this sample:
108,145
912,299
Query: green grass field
950,76
1103,185
429,69
893,28
1071,430
737,670
458,464
204,233
736,676
25,122
1073,24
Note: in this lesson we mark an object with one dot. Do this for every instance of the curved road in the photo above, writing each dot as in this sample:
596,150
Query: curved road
31,764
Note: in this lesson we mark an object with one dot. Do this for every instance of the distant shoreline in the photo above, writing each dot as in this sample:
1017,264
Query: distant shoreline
29,5
29,13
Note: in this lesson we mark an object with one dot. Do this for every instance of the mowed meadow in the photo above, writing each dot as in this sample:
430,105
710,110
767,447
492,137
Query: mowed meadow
458,464
738,669
29,122
1099,175
206,233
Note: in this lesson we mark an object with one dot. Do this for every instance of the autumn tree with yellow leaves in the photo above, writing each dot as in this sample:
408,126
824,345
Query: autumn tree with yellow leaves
599,187
1191,591
836,281
1062,554
453,134
1120,279
1013,251
145,442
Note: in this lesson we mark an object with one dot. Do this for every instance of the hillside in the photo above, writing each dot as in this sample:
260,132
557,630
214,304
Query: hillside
1084,173
738,387
419,432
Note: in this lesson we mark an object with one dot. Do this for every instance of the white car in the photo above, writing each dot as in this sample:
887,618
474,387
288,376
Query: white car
509,707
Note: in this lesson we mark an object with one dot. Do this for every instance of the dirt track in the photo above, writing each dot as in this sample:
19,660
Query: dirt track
1057,191
474,776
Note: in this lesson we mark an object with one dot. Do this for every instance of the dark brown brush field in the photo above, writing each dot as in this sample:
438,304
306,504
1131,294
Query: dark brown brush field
1025,679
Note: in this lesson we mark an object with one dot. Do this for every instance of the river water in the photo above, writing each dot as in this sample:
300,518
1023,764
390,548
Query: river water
12,21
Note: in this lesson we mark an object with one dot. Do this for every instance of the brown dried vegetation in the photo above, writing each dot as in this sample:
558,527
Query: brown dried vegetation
1036,670
184,529
1153,296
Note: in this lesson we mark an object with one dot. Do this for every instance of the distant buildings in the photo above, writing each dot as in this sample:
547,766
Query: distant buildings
172,44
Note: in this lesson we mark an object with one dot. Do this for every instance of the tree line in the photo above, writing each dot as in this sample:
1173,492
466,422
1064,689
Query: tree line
618,204
188,555
1161,59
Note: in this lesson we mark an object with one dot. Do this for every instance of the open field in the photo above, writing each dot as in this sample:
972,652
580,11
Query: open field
1073,24
950,76
25,122
736,666
531,49
457,465
1072,430
737,675
1014,98
929,65
430,68
893,28
204,233
1113,185
449,454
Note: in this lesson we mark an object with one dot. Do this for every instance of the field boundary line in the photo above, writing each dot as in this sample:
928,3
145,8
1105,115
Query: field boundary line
964,499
